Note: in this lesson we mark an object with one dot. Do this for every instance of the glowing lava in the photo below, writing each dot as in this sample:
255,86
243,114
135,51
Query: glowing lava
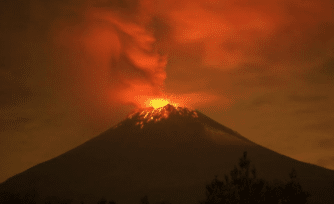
151,114
157,103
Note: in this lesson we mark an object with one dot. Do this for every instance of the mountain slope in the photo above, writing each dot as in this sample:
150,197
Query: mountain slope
168,154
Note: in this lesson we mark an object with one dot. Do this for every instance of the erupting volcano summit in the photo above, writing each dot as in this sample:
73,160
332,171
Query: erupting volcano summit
146,115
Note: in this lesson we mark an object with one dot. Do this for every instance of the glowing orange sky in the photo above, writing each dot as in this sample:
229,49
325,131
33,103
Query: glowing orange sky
72,69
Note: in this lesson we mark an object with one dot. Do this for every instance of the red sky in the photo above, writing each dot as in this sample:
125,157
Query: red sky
70,70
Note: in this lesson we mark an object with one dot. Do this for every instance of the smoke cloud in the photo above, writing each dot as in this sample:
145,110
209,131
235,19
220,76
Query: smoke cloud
110,52
236,32
233,48
99,55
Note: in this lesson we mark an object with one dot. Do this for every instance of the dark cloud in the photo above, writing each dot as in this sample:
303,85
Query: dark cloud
12,123
262,101
261,80
321,74
326,143
13,91
326,162
15,16
15,96
118,5
237,32
306,111
327,69
324,125
307,98
253,68
162,32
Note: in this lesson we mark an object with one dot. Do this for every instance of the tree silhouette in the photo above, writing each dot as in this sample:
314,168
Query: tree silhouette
293,192
144,200
28,197
9,197
102,201
243,187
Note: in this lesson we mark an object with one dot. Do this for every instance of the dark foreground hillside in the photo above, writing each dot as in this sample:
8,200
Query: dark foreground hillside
241,186
171,159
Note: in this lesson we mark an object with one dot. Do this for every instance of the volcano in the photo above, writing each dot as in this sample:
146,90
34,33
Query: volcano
168,154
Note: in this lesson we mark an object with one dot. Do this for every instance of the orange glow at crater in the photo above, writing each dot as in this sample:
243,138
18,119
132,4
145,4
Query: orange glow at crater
157,103
160,102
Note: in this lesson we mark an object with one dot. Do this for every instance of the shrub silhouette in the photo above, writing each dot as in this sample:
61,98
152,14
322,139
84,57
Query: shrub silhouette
9,197
18,198
102,201
144,200
105,201
293,192
243,187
